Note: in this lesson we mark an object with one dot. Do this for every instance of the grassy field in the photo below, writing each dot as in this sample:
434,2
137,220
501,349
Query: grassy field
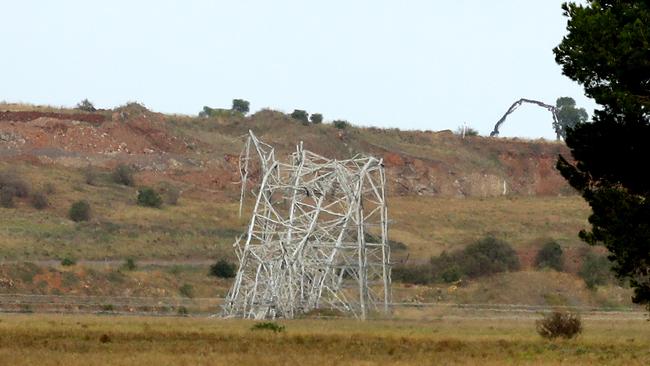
97,340
205,227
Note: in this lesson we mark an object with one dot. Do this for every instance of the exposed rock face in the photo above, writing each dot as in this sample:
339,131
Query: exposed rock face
207,157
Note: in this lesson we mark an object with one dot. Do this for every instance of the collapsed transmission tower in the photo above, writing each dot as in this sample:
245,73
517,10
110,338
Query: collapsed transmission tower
317,238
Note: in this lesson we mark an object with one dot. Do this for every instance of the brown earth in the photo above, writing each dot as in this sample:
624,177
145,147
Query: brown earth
203,153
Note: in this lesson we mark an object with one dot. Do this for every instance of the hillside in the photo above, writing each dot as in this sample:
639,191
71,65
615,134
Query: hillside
444,193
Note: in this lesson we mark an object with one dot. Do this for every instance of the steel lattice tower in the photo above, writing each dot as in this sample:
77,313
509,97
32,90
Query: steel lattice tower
317,237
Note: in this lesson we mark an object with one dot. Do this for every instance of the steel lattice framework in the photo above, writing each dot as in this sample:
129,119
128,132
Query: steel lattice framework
317,237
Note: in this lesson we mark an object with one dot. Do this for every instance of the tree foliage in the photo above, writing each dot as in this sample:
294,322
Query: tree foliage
300,115
550,256
240,105
86,106
568,116
316,118
607,51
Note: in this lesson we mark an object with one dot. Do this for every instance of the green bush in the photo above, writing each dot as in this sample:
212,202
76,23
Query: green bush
416,274
595,270
559,324
240,105
68,261
550,256
341,124
274,327
186,290
148,197
123,174
482,258
316,118
208,112
79,211
39,200
223,269
86,106
130,265
300,115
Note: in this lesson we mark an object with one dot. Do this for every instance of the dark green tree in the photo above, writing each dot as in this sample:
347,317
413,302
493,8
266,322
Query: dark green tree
86,106
607,50
300,115
568,116
316,118
550,256
240,105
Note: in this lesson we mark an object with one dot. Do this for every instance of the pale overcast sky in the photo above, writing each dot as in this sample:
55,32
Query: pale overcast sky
408,64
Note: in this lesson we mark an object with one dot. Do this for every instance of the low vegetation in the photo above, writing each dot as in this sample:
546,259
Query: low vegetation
223,269
123,174
559,324
55,339
550,256
148,197
79,211
485,257
595,270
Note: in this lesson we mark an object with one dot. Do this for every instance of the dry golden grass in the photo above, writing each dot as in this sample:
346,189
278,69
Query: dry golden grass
95,340
430,225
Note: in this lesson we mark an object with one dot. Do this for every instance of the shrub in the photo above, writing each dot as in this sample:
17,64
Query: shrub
86,106
488,256
90,175
300,115
7,197
469,131
123,174
223,269
130,265
39,200
240,105
485,257
341,124
595,270
79,211
208,112
274,327
559,324
550,256
182,311
418,274
316,118
186,290
148,197
14,181
68,261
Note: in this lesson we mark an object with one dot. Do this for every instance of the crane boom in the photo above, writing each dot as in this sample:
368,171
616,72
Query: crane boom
518,103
